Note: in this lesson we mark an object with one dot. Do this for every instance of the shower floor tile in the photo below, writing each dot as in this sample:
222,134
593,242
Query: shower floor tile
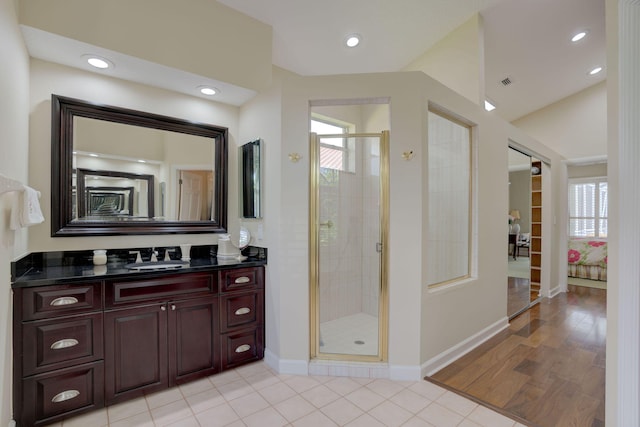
355,334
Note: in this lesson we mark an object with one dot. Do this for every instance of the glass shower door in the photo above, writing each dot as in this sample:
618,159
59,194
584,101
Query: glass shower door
348,234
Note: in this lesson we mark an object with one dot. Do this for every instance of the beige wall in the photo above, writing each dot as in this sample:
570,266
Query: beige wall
575,126
206,41
48,78
423,323
14,145
457,60
587,171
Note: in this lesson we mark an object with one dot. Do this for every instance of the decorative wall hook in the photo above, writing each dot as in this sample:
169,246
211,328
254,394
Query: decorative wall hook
407,155
294,157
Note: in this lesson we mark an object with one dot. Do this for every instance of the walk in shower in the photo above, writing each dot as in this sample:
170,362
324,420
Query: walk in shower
349,221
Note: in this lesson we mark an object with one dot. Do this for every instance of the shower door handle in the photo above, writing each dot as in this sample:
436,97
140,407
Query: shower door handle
379,247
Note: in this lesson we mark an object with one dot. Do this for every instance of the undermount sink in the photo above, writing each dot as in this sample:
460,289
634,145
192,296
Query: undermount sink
156,265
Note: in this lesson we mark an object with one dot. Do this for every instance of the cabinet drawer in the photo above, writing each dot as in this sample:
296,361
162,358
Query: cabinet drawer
68,390
241,347
61,342
157,288
242,278
60,300
241,310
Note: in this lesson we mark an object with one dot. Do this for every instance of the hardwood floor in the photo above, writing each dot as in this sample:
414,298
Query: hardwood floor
518,295
547,369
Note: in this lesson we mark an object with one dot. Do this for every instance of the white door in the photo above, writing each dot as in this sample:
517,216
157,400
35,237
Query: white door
190,204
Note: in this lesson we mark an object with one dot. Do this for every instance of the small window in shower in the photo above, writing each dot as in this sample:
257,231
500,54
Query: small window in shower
335,153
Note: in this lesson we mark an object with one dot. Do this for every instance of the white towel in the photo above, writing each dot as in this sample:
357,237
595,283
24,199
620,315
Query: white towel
26,209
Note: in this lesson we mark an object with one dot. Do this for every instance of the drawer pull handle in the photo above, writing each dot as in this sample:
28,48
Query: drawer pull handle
65,395
242,279
67,342
243,348
243,310
64,301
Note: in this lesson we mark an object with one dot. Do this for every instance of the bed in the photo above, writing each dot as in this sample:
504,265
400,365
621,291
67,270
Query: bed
587,258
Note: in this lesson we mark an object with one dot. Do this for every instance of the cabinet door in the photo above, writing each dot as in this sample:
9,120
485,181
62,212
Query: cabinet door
193,339
241,310
60,342
48,397
135,351
242,346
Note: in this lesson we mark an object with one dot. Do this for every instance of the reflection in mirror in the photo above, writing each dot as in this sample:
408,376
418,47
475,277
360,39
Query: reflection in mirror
113,194
249,157
518,282
177,170
244,238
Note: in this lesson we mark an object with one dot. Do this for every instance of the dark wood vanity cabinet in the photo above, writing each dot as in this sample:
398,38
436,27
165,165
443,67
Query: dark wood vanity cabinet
111,341
242,315
159,332
57,351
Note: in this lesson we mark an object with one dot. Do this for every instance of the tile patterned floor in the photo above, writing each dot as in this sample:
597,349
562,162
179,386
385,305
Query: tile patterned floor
254,395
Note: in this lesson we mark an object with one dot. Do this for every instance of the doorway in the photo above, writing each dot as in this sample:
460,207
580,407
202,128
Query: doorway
348,236
519,248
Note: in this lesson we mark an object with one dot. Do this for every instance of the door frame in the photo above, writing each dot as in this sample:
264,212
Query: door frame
314,251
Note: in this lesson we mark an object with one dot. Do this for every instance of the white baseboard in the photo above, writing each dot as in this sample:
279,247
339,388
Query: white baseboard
555,291
284,366
342,368
405,373
445,358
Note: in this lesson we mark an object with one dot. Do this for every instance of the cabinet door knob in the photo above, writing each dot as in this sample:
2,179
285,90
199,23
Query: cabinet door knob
242,310
64,343
163,308
65,395
242,348
173,307
242,279
63,301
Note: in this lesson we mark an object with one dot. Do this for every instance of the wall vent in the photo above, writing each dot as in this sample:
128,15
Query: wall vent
506,81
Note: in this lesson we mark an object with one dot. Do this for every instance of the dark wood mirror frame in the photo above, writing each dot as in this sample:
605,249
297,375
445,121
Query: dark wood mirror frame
63,111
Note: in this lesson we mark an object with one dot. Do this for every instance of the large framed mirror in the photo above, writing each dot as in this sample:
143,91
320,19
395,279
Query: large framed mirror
121,171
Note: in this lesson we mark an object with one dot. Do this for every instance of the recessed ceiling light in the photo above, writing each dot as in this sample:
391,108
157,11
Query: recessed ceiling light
142,161
208,90
578,36
93,155
595,71
352,40
489,106
98,61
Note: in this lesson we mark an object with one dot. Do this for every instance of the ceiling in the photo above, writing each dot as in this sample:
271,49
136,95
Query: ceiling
525,40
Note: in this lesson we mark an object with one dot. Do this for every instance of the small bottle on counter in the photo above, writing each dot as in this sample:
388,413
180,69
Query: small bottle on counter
99,257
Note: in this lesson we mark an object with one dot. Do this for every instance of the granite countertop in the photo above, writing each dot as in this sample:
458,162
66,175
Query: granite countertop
49,268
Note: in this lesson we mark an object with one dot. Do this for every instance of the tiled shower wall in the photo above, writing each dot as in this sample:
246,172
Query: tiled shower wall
349,271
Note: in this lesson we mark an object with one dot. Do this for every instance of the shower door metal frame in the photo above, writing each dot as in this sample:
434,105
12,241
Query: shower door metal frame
314,250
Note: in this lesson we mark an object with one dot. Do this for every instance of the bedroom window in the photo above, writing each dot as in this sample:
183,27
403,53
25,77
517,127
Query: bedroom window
588,207
449,182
